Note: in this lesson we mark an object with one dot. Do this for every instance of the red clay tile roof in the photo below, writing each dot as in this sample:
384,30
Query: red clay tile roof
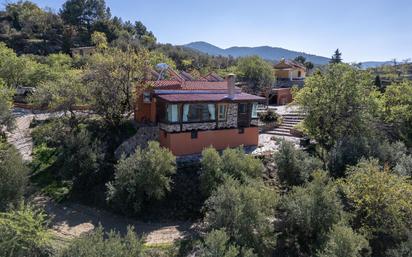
190,85
208,97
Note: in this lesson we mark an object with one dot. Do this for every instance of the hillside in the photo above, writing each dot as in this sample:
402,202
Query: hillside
266,52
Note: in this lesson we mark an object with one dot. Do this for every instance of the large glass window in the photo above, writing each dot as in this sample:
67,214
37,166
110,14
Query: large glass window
172,113
198,112
254,110
222,112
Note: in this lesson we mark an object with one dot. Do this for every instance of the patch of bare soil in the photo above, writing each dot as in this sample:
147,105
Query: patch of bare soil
70,220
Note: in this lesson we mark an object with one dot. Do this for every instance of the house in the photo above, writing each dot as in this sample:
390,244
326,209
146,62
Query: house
289,70
193,114
288,74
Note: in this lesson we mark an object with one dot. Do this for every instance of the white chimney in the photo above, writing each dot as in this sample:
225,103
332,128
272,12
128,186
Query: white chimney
231,80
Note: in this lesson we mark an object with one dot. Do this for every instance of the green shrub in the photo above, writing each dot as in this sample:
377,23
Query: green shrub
232,162
269,117
111,244
380,203
404,249
143,176
23,233
240,165
294,166
217,244
211,170
310,211
13,176
244,211
344,242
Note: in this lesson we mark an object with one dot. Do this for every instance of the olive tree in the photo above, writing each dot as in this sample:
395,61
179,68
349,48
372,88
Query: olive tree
232,162
99,243
114,77
13,176
380,202
339,103
244,211
141,177
309,212
23,232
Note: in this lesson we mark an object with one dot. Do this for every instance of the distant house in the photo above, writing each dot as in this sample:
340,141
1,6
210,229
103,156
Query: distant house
196,113
288,74
82,51
289,70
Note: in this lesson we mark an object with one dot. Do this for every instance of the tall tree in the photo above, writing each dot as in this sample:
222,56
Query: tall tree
339,103
336,57
258,73
84,13
114,77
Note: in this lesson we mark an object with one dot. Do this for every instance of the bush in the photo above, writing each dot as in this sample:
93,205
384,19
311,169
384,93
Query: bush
217,244
269,117
211,170
294,166
404,249
23,232
13,176
244,211
111,244
310,212
344,242
79,158
144,176
233,162
240,165
380,202
404,166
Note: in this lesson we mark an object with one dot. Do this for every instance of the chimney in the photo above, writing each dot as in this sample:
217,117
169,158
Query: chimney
231,79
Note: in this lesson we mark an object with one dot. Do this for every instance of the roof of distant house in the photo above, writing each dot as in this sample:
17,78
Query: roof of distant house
212,77
285,64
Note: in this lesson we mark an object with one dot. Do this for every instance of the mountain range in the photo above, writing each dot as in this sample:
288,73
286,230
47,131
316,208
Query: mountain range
273,54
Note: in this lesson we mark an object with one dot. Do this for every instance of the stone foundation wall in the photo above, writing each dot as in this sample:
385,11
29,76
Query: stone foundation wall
199,126
141,138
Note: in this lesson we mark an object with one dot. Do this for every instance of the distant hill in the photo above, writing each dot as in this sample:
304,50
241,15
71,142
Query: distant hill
266,52
373,64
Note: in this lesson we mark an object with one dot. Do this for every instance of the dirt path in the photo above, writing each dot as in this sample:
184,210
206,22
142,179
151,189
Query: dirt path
20,136
70,220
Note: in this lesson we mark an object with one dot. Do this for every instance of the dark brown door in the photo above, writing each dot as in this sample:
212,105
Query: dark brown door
243,115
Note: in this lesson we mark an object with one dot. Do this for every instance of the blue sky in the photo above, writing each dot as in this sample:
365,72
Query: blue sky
364,30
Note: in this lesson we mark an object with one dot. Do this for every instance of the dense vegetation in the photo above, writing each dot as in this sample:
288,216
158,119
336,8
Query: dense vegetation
348,194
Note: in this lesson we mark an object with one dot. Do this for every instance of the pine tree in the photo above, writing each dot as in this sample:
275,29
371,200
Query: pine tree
336,57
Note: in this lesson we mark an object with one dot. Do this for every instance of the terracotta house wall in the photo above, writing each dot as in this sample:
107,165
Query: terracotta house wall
183,144
282,74
284,96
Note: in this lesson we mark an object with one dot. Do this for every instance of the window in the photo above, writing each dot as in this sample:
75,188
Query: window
254,110
172,113
147,97
222,112
198,112
243,108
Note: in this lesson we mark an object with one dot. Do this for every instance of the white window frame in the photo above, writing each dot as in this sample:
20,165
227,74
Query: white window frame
225,108
254,111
